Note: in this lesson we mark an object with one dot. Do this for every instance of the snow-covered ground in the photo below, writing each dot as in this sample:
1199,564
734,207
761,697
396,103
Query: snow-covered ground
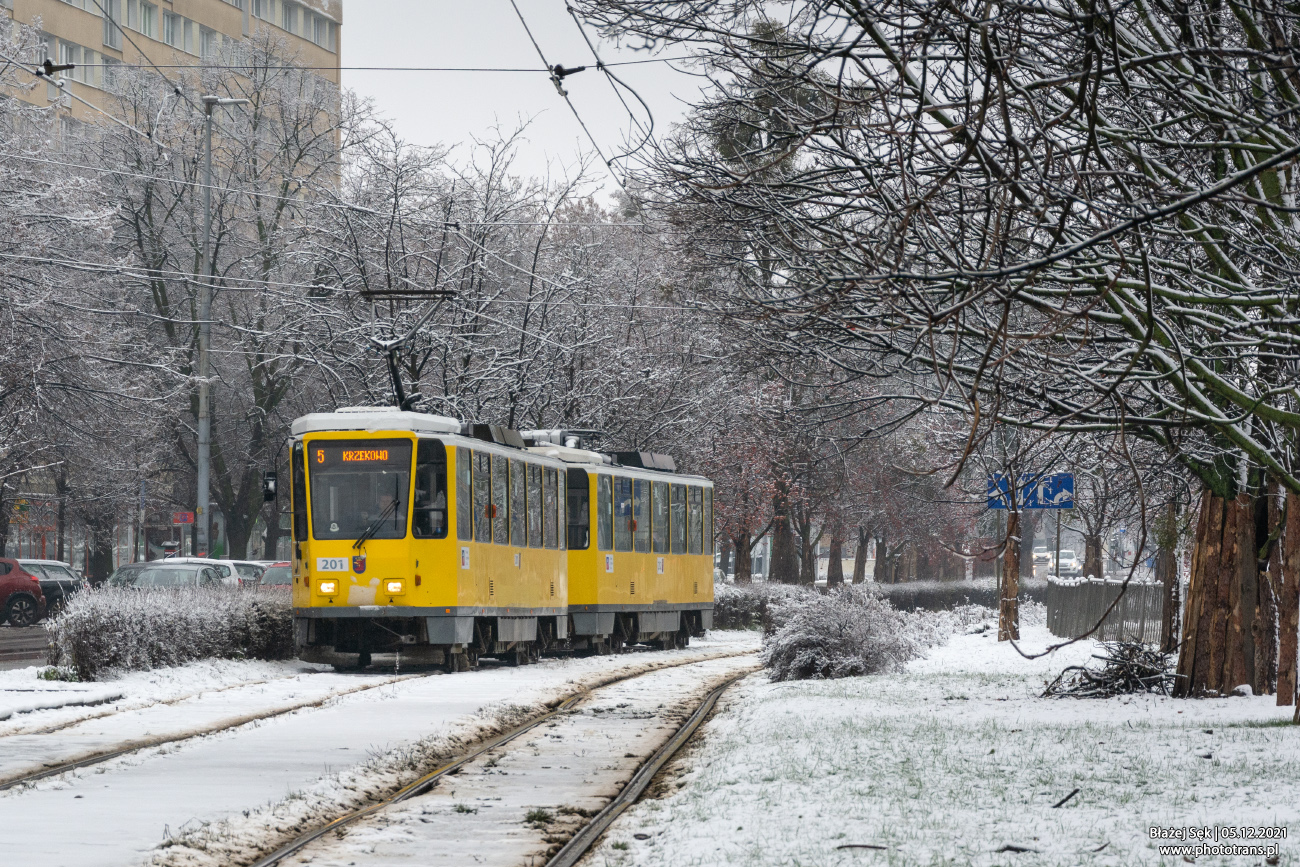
22,690
957,759
216,799
518,802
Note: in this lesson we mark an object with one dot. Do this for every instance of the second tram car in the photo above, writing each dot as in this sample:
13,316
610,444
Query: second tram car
416,534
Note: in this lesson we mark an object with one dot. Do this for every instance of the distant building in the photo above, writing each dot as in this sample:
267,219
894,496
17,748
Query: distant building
170,33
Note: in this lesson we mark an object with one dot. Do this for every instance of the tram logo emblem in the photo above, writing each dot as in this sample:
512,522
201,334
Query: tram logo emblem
359,563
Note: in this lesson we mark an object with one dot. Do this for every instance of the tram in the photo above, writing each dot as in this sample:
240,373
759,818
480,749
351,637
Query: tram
444,542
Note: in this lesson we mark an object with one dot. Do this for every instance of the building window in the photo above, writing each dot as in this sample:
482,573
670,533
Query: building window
209,43
189,35
149,20
289,17
263,9
172,29
112,15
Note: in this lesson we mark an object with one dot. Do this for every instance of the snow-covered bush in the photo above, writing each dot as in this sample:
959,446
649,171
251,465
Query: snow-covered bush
120,629
940,595
751,606
849,631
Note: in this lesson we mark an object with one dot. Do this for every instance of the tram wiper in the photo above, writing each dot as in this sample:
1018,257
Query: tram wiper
391,508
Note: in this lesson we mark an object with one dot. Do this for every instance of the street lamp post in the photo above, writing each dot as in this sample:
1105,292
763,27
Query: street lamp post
202,515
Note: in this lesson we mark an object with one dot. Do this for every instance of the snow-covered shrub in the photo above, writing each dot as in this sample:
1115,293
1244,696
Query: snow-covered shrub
121,629
847,632
751,606
941,595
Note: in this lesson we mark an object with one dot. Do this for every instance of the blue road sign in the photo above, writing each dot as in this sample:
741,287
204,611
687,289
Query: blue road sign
1034,491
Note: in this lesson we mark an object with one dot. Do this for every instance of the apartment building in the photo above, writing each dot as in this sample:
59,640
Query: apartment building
170,33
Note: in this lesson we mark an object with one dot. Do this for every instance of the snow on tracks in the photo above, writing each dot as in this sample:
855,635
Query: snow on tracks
228,797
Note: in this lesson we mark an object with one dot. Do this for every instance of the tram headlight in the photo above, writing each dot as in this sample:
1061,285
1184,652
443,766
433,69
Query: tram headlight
329,588
393,587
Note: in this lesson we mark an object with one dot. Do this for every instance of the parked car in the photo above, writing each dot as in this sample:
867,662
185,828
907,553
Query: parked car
227,569
169,573
125,575
22,602
58,581
277,575
1069,565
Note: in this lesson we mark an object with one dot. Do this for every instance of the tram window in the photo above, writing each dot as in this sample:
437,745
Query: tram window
429,519
500,499
604,513
561,510
622,514
708,520
360,487
549,525
482,497
579,509
534,506
659,517
696,538
641,515
679,519
518,487
299,484
464,499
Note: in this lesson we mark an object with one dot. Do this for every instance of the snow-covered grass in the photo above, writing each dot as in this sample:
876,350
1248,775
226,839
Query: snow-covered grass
955,758
123,629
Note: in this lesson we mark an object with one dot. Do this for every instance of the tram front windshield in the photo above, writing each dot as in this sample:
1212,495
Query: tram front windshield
359,483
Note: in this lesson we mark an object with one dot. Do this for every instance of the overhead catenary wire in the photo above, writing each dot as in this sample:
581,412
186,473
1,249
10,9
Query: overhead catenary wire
343,206
251,284
556,78
533,70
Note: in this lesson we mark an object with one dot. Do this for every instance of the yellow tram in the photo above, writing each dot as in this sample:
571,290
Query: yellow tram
416,534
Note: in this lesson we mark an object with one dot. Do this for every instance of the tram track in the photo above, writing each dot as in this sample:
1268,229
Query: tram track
591,831
124,748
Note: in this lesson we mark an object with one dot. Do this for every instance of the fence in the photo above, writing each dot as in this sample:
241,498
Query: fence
1075,606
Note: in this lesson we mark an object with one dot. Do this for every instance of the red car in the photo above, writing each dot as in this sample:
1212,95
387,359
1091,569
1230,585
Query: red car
22,602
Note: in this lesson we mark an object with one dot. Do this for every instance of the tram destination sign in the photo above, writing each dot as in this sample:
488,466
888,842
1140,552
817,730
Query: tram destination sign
1033,491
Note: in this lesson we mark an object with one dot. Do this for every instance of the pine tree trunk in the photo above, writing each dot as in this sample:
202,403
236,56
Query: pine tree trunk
1009,590
1288,605
860,558
835,566
1218,649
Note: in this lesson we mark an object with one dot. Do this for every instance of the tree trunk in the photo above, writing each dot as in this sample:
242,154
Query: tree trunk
1167,576
1288,605
784,567
879,571
99,553
1218,649
1009,591
728,551
744,558
1264,635
835,566
1092,564
860,558
807,554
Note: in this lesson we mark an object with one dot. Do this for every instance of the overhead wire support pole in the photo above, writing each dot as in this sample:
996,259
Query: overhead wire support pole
203,460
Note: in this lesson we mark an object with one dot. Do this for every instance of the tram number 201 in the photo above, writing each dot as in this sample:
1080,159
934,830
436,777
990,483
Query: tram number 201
331,564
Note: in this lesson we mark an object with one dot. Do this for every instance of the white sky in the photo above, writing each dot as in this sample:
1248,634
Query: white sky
428,108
